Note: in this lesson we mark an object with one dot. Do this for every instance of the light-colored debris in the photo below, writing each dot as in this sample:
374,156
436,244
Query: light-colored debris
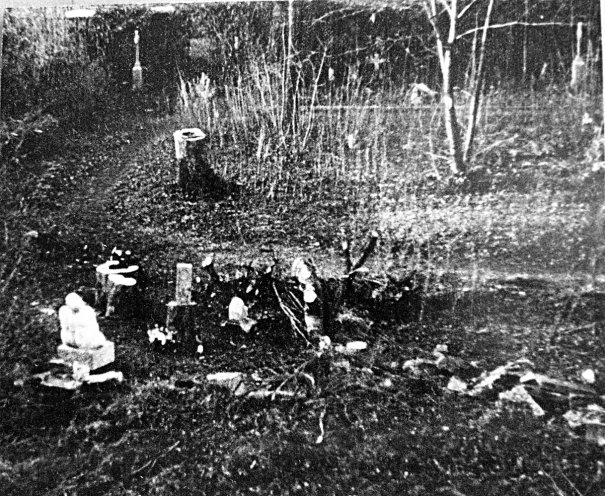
112,375
593,418
233,381
487,379
549,385
519,394
353,347
238,314
325,343
590,414
588,376
263,394
301,271
387,383
440,348
63,381
415,365
342,364
457,385
79,375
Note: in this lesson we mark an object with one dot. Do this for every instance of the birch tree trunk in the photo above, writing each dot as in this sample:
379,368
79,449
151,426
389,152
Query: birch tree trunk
445,52
289,108
477,90
603,52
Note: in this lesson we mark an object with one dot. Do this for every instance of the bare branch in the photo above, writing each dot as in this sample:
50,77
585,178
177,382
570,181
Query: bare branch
446,7
465,9
515,23
367,252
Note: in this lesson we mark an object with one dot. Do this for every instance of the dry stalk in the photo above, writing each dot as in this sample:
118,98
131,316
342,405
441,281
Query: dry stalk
295,323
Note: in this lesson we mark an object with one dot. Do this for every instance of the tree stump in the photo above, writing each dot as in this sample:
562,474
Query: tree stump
113,284
194,171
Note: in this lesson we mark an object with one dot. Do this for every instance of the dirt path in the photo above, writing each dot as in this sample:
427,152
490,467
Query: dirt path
89,213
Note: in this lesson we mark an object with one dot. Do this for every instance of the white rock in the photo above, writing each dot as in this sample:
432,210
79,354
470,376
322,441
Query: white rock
588,376
457,385
234,381
355,346
324,342
238,314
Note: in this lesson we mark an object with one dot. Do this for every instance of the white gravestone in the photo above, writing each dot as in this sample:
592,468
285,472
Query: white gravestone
184,276
82,340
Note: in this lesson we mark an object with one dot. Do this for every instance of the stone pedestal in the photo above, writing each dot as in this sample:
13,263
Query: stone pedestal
92,358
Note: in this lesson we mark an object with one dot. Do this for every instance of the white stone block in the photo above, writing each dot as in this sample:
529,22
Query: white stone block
93,358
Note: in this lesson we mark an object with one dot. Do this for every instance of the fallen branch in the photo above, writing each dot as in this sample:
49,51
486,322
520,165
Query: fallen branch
152,462
295,323
293,375
588,327
322,432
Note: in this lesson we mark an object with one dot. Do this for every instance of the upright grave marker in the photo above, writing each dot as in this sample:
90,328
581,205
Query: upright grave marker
184,277
180,316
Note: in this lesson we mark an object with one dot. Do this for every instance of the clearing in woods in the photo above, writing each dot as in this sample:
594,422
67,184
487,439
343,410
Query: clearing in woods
508,266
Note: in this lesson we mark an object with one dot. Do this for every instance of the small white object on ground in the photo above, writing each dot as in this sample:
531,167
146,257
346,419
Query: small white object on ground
238,314
233,381
588,376
355,346
457,385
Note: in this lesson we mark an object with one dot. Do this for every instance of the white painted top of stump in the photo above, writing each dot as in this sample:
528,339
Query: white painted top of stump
182,136
120,280
106,268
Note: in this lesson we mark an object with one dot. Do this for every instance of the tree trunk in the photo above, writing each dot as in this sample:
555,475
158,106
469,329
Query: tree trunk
603,52
477,90
290,103
194,171
2,11
445,52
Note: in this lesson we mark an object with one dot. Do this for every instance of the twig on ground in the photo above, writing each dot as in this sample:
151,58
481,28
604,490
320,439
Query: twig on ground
152,462
295,323
297,371
587,327
12,274
558,490
322,432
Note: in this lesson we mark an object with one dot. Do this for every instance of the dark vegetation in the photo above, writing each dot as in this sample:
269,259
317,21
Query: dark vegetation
494,266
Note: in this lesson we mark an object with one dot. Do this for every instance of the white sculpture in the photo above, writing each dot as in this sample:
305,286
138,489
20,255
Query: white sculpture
79,327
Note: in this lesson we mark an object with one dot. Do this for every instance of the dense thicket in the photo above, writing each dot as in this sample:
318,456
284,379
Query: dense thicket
74,69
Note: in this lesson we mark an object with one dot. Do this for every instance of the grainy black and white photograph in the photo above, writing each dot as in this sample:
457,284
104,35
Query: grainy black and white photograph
302,247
